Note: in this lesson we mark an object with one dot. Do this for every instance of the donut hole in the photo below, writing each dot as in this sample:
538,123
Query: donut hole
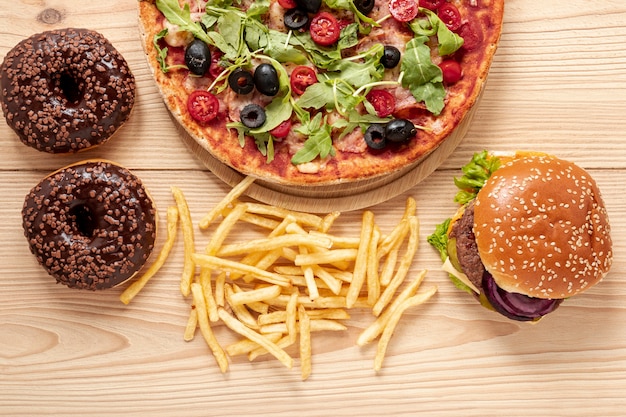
84,219
69,88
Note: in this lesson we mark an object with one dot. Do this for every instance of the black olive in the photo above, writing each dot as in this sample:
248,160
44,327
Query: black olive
364,6
311,6
241,81
399,130
252,116
391,56
296,19
198,57
375,136
266,79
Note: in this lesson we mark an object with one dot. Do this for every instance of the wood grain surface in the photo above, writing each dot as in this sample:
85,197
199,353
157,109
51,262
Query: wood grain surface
558,84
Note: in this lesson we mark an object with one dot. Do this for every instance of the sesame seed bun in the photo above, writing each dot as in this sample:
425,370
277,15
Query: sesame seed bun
542,229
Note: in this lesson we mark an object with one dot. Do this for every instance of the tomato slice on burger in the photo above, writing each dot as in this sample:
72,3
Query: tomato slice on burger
302,77
202,106
403,10
383,102
324,29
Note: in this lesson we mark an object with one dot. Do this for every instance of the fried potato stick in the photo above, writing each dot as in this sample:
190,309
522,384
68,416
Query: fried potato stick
134,288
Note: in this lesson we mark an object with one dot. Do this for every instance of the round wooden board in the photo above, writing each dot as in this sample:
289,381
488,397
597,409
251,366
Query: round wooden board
339,197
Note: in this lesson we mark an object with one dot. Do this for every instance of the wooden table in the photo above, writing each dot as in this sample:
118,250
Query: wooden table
558,84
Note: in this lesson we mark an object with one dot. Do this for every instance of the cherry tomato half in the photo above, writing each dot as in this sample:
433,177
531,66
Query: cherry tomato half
430,4
450,15
302,77
451,71
403,10
324,29
202,106
288,4
383,102
282,130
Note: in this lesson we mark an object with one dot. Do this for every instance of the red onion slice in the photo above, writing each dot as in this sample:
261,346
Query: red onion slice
514,305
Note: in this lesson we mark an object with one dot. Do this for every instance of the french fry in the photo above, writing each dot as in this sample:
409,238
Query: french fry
232,266
271,243
133,289
328,221
305,343
232,195
256,295
205,327
375,329
219,289
245,346
224,228
240,311
371,270
207,290
292,318
302,218
360,267
238,327
192,324
328,257
385,337
188,240
403,268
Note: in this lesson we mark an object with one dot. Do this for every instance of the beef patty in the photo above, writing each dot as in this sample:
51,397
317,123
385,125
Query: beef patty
466,248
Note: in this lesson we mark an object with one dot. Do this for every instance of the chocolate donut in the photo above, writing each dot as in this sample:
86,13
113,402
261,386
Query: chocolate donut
65,90
91,225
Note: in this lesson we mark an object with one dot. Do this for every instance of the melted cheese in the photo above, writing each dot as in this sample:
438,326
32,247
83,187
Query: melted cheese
450,269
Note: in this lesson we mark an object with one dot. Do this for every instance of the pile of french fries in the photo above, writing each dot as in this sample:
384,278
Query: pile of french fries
299,278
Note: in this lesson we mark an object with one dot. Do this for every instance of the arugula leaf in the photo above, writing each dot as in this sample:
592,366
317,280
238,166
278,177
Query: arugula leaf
161,52
475,174
449,42
182,18
421,76
363,22
319,140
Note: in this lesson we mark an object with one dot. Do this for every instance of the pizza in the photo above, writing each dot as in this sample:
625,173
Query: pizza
319,92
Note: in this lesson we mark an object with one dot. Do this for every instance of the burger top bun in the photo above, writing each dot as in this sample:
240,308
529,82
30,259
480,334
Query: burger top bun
542,229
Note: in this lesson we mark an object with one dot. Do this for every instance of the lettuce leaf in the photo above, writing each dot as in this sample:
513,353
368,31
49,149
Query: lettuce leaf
475,174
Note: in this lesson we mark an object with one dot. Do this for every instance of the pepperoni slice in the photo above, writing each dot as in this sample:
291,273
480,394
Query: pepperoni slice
202,106
383,102
324,29
471,34
403,10
302,77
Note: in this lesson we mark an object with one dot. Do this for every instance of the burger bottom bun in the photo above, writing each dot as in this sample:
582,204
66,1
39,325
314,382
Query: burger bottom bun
542,228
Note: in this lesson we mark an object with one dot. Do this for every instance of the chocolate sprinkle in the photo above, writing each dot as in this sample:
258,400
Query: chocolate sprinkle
91,225
65,90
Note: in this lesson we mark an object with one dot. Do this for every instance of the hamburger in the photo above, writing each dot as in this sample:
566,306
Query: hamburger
531,231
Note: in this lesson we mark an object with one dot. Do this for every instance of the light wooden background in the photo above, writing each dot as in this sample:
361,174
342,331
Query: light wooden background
558,84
